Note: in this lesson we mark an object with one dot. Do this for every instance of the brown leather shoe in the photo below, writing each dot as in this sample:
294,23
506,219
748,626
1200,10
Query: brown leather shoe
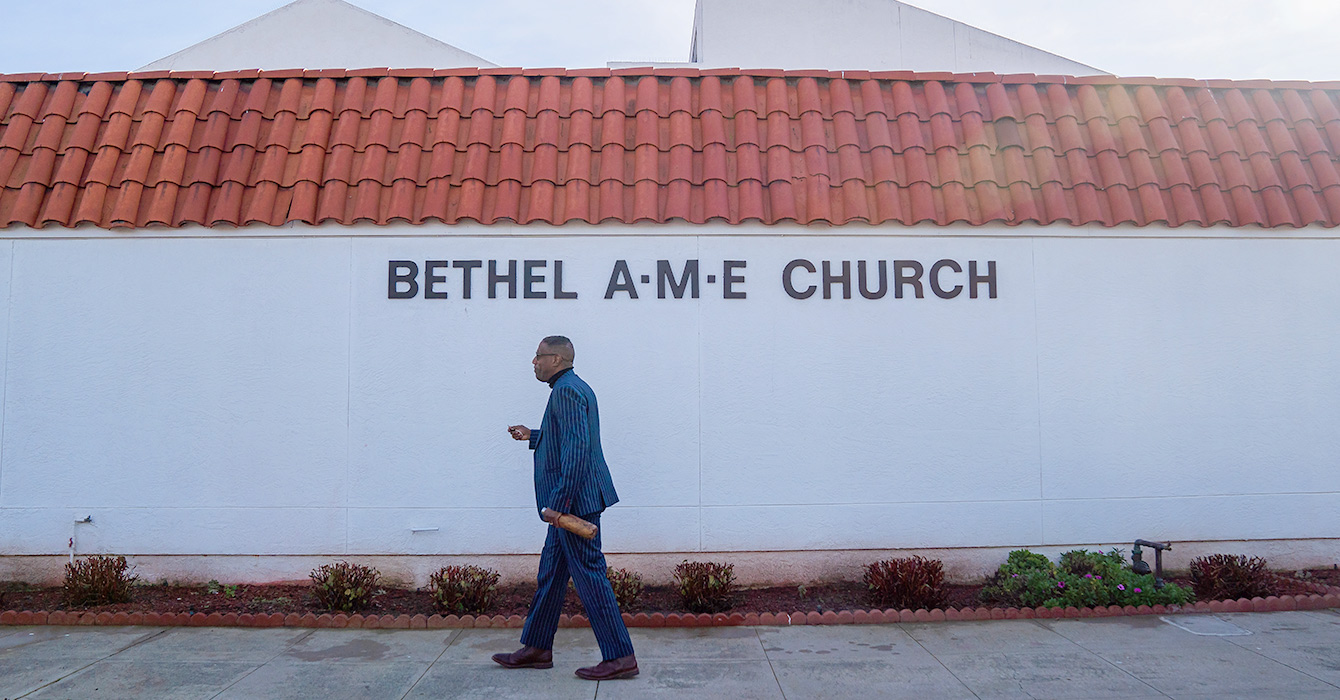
526,657
622,667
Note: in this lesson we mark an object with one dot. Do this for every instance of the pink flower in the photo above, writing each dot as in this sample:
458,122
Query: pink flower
1060,584
1121,586
1137,590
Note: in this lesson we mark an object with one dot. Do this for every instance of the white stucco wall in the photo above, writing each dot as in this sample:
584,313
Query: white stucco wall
255,392
858,34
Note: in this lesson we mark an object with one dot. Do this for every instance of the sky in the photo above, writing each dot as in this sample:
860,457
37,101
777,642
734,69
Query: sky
1274,39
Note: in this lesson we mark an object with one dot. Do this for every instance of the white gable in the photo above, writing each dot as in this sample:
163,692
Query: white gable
319,34
857,35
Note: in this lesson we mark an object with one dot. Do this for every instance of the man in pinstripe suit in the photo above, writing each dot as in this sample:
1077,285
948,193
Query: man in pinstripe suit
570,477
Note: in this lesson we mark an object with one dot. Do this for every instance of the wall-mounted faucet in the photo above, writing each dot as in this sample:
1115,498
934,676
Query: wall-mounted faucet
74,530
1140,566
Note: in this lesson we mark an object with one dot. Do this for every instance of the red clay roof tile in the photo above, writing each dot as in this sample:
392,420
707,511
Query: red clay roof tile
159,149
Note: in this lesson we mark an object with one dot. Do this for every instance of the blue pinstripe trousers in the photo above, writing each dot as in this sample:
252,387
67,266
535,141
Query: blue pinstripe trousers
567,555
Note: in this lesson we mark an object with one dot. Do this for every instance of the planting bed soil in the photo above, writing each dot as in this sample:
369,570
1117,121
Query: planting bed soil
509,600
285,599
1327,577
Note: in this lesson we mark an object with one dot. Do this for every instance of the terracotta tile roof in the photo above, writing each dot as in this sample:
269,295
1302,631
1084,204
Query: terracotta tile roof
553,146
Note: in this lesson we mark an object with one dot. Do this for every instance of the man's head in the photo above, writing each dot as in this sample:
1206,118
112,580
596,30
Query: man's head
554,355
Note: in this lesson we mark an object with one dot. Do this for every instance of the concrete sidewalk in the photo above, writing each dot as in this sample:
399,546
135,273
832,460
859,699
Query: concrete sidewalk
1260,655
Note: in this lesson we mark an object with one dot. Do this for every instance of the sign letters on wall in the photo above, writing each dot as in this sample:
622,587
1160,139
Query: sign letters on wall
800,279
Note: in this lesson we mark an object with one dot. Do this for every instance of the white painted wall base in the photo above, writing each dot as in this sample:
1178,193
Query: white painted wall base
751,568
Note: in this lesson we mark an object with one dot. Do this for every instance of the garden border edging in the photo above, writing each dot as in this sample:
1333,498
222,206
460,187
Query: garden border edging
1324,597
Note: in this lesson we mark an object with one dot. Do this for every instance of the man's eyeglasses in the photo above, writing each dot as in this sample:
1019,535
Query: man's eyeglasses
538,355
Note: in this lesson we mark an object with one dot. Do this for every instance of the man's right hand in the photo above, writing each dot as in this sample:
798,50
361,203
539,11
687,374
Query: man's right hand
519,432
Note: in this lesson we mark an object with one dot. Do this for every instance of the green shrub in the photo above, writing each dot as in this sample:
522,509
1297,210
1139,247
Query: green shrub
1081,561
910,583
1229,577
706,587
627,586
344,586
1024,560
1021,587
1024,580
215,588
1080,578
463,589
1139,590
98,581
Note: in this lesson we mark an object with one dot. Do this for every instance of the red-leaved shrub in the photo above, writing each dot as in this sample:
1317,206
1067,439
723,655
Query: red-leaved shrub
908,583
344,586
97,581
463,589
627,586
706,587
1229,577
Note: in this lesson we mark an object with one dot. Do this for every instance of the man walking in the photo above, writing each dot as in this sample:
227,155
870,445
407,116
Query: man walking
570,477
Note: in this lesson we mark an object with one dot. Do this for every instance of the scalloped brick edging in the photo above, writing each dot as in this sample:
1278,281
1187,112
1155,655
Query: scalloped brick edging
1325,597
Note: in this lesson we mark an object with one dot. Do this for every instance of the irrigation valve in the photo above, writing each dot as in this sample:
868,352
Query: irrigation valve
1140,566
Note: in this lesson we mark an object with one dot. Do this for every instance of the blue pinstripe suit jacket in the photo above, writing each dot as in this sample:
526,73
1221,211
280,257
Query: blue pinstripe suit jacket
570,471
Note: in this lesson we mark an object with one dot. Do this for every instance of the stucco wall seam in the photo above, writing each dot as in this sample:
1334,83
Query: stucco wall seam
898,14
348,394
1037,380
698,319
4,392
